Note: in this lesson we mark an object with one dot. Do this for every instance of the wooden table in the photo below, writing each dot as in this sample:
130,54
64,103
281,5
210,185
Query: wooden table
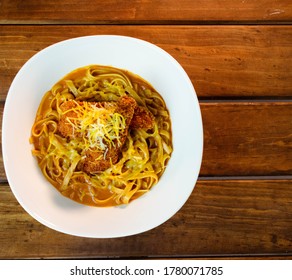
238,54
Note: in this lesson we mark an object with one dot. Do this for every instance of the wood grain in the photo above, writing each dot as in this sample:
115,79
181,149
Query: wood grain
146,12
226,218
247,139
238,56
221,61
243,139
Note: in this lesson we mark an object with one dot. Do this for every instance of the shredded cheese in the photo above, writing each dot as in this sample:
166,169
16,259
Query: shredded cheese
100,128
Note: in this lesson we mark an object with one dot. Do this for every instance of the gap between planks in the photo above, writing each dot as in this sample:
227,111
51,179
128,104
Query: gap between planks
147,22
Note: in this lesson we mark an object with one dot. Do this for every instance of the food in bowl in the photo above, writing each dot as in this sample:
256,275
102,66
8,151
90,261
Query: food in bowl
102,136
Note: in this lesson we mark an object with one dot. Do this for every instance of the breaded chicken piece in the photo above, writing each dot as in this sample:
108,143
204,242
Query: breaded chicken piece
64,127
96,160
142,118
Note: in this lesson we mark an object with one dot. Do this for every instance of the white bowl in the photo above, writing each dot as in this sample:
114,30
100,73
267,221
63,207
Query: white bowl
40,199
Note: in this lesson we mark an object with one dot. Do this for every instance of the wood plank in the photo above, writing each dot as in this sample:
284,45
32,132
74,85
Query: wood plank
2,169
221,61
221,218
157,11
242,139
247,138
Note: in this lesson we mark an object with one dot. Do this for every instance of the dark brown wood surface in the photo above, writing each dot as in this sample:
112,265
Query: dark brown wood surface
222,61
221,218
238,55
137,11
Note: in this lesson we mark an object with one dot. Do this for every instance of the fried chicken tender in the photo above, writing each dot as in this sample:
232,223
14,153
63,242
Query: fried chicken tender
142,118
96,160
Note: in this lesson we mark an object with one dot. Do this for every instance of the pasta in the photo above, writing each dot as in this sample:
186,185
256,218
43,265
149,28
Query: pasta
102,136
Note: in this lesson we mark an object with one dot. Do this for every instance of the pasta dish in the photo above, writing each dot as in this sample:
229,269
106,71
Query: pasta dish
102,136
